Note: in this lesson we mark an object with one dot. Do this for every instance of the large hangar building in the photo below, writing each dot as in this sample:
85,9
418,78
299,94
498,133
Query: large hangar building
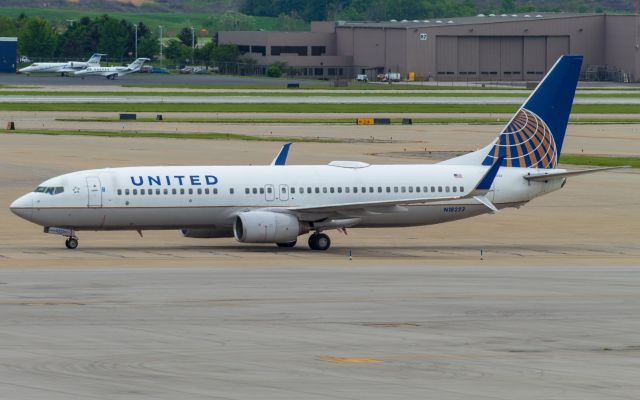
503,47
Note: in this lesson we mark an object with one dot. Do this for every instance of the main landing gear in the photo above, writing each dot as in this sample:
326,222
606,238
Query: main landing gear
71,243
319,241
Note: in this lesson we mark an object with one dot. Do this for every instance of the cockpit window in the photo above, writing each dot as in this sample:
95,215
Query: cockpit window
52,190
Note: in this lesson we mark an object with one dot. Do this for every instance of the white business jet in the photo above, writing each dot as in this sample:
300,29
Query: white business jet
62,67
278,203
112,72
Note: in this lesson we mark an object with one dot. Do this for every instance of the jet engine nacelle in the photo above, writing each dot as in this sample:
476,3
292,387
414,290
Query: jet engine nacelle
206,233
267,227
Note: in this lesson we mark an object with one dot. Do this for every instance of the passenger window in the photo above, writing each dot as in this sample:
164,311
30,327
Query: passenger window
269,190
119,192
181,191
158,191
215,190
370,189
206,191
379,189
440,189
417,189
199,191
301,190
309,190
254,190
174,191
246,190
166,191
462,188
395,189
455,189
261,190
317,190
388,189
284,190
126,192
404,189
410,189
293,190
324,190
426,189
364,189
142,191
346,190
355,189
331,190
150,192
231,190
190,191
135,192
433,189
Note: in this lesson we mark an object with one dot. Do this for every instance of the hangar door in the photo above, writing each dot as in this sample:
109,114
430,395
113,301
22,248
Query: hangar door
489,58
446,57
556,46
535,57
511,58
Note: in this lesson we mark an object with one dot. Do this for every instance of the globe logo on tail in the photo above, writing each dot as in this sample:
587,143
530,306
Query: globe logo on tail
526,142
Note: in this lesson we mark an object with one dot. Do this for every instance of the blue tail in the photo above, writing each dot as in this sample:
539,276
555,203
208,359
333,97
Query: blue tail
533,138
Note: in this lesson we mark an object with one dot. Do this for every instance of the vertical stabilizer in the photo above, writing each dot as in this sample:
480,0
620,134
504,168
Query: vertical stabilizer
533,137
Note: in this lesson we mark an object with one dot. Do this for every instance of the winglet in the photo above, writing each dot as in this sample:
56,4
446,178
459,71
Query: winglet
281,158
488,178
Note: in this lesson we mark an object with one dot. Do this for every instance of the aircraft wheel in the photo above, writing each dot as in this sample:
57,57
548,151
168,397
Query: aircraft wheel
319,241
287,244
71,243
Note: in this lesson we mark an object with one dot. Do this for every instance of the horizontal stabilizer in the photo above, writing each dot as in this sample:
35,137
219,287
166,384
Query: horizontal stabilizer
486,202
564,174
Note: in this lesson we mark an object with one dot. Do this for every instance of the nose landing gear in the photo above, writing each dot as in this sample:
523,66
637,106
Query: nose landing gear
319,241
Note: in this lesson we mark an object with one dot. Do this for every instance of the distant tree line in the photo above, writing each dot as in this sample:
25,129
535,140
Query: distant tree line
38,39
384,10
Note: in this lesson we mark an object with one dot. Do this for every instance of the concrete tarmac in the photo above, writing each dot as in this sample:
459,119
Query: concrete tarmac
550,311
312,331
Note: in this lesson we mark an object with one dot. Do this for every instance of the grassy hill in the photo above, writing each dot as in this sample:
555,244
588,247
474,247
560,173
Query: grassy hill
172,22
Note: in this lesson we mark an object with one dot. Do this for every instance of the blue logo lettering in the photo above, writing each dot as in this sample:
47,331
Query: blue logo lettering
133,180
210,179
195,179
179,178
154,179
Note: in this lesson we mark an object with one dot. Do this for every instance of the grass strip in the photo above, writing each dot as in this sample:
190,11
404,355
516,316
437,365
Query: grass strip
295,94
162,135
600,161
305,85
308,108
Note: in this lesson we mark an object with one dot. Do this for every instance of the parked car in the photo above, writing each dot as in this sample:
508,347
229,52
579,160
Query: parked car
24,59
362,78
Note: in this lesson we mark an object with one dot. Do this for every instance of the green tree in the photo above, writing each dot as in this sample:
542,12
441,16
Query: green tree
228,53
290,23
177,52
235,21
185,36
114,38
37,38
148,46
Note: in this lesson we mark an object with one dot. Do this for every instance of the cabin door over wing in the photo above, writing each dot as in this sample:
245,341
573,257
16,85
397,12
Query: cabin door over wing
284,193
94,189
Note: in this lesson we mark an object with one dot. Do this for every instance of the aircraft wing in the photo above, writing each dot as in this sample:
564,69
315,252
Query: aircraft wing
395,205
545,176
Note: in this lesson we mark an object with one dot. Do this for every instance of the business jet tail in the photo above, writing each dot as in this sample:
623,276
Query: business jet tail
533,137
95,59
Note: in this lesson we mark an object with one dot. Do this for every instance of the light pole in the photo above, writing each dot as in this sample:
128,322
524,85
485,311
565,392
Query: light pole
136,41
193,45
161,64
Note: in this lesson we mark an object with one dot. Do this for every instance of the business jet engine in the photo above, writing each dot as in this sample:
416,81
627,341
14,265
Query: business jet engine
267,227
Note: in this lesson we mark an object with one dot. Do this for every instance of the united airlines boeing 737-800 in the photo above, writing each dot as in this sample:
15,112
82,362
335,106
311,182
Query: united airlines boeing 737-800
278,203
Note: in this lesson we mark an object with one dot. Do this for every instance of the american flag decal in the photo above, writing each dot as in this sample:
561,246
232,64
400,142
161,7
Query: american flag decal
457,175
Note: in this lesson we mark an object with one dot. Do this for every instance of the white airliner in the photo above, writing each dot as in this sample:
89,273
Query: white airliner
112,72
62,67
278,203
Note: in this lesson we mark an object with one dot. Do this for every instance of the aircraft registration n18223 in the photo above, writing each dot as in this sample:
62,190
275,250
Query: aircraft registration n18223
279,202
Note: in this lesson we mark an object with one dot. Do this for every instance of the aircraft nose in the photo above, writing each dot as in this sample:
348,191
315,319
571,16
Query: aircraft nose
23,206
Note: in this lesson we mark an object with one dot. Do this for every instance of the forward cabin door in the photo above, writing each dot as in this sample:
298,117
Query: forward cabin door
94,189
269,193
284,193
